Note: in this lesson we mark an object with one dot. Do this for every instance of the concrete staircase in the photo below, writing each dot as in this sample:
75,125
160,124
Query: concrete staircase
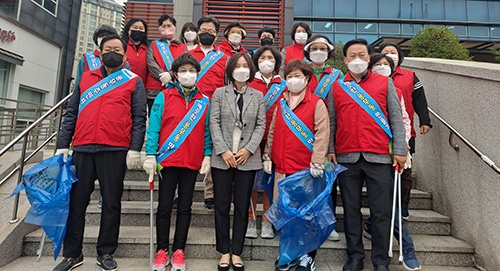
431,231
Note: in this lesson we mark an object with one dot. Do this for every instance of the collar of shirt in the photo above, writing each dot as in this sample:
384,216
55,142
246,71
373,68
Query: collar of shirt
205,50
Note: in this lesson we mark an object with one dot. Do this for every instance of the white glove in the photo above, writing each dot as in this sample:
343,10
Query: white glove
165,78
316,170
408,161
64,152
149,164
205,165
133,160
268,167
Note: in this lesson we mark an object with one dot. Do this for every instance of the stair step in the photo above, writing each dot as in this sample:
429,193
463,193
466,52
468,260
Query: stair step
139,191
136,213
134,242
141,264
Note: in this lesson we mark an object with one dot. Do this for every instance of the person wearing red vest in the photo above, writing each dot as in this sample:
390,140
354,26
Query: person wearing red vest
234,34
135,35
180,168
106,121
416,102
301,32
213,78
159,75
285,149
363,147
267,60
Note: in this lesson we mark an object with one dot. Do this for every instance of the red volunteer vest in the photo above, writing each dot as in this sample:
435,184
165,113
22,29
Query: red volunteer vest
86,61
294,51
137,60
404,80
226,48
214,78
175,49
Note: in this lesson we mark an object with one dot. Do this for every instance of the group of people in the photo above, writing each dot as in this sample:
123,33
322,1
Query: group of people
226,112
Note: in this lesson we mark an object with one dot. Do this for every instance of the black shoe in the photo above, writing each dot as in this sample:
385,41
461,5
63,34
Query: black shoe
285,267
69,263
209,203
380,268
238,266
174,205
353,265
107,263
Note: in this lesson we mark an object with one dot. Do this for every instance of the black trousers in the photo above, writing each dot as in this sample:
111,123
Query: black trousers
379,183
109,168
236,184
184,179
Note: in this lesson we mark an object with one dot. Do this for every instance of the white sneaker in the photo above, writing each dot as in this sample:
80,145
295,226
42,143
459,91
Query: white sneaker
251,229
334,236
267,230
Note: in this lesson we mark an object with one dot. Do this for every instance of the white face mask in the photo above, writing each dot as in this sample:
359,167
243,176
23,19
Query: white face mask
190,35
99,41
357,66
266,67
241,74
318,56
187,79
296,84
394,57
234,39
384,70
301,38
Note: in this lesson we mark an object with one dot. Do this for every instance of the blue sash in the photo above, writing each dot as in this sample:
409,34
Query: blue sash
325,84
166,55
364,100
273,94
297,126
93,62
183,129
104,86
208,61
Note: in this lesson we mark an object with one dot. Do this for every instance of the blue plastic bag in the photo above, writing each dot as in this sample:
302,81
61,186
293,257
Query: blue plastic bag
264,181
303,212
47,186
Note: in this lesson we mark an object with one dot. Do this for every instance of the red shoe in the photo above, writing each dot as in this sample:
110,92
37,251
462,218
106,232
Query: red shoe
161,261
178,263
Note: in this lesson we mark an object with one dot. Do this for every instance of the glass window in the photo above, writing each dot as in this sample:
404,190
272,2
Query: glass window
345,27
367,27
460,30
48,5
367,9
386,28
368,38
4,79
27,94
495,32
10,8
322,27
479,31
389,9
322,8
455,10
344,10
411,9
477,11
494,9
434,9
410,29
302,8
344,38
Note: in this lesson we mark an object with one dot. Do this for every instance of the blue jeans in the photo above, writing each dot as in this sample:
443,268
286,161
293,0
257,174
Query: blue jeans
407,240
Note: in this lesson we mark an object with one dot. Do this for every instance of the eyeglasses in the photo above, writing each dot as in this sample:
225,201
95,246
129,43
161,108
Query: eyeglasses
209,31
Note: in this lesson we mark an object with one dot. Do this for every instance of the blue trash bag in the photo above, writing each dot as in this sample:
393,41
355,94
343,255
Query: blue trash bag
264,181
303,212
47,186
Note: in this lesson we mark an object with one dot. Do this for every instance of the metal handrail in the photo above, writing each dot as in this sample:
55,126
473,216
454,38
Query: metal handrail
453,131
24,136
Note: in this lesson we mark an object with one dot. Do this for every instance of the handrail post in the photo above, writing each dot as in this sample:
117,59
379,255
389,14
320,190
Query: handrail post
14,218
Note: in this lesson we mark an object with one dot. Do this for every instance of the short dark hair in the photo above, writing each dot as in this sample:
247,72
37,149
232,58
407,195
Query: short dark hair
112,37
102,29
355,41
209,19
276,54
401,56
266,29
166,17
125,36
189,26
376,57
331,54
183,59
231,66
303,25
301,65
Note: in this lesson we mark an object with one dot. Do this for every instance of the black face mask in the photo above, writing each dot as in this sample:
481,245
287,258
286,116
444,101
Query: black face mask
112,59
206,39
137,35
266,41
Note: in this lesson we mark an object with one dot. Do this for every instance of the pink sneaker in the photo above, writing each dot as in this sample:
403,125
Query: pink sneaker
161,260
178,263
